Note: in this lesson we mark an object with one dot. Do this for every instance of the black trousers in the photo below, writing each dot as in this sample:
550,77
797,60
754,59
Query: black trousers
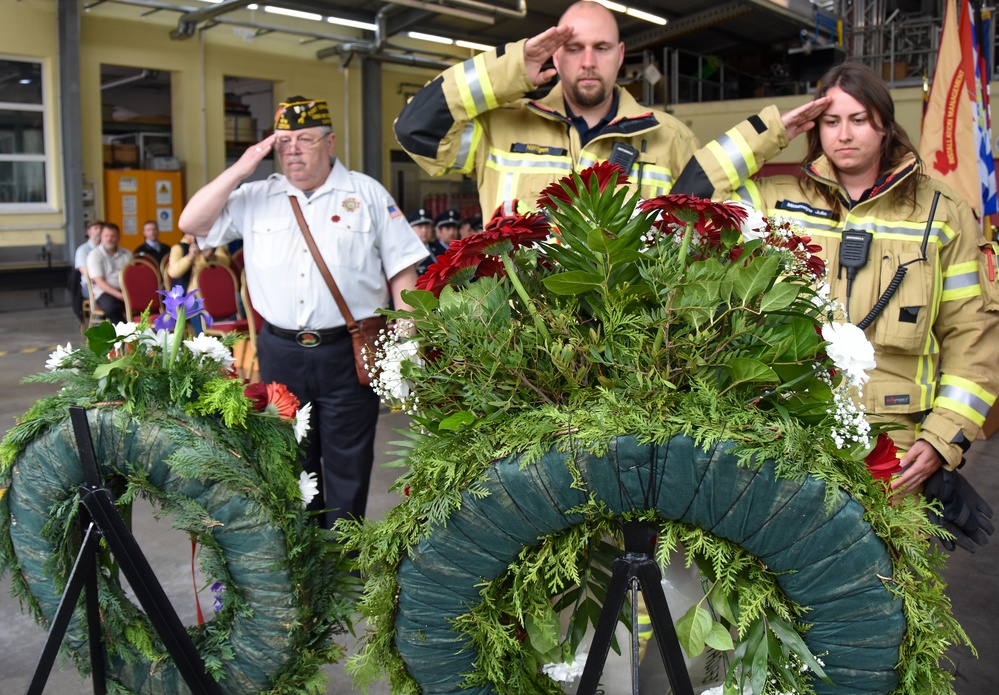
113,308
339,447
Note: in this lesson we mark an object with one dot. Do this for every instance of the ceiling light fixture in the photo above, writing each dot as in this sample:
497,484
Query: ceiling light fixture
648,17
474,46
293,13
352,23
429,37
632,12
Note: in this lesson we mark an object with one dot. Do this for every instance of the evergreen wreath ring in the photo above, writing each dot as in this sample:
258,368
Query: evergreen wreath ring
829,564
262,642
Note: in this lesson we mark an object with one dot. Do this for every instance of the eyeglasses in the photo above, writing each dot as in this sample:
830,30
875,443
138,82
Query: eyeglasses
303,142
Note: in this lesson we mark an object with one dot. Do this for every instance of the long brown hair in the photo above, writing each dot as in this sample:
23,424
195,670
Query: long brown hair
866,86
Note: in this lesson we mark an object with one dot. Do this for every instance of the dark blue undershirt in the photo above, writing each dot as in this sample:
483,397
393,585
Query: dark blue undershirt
586,133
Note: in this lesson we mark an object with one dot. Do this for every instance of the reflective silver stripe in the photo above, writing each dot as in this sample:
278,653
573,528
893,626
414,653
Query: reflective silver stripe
504,162
734,154
961,281
915,232
965,398
928,381
474,87
463,160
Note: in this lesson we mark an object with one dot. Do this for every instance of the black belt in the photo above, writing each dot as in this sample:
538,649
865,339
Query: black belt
309,338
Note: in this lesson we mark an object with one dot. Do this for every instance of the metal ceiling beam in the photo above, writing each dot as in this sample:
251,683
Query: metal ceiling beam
686,25
189,21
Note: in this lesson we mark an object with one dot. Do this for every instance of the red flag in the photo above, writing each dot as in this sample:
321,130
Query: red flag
956,144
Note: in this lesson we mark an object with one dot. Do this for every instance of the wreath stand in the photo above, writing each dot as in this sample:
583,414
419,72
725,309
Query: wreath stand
100,518
636,568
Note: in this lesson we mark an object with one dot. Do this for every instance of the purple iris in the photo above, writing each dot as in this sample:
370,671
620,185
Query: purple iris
217,589
176,299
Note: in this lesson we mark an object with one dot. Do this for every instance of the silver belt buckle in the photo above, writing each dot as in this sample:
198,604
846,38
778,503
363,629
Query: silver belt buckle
309,339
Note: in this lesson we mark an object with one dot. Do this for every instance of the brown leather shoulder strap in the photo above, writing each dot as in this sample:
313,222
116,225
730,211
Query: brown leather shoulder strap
327,276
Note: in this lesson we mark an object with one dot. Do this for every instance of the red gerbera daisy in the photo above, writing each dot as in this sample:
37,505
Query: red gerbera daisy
450,268
882,462
503,235
565,188
685,209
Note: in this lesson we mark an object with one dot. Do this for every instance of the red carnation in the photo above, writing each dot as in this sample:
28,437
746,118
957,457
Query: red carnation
565,188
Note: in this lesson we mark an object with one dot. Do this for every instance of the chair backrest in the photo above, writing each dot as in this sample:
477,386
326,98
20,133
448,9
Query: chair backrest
167,280
218,287
139,282
236,263
254,320
94,312
150,261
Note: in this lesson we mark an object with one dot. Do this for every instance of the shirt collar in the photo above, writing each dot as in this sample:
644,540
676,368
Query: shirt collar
338,179
586,132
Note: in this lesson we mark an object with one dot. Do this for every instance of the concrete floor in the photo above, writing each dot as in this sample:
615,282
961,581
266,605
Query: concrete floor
27,337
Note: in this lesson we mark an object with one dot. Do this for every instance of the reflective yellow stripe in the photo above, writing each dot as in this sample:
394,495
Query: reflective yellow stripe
723,162
465,157
961,281
964,397
488,93
513,162
461,80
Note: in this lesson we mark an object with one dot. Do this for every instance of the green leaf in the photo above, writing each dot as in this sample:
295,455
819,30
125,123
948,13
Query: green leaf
422,300
719,638
780,296
752,279
100,338
457,421
104,370
573,282
744,369
792,640
693,629
543,631
759,666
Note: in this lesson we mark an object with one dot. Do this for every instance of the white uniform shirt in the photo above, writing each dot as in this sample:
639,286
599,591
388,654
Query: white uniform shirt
102,265
361,233
80,261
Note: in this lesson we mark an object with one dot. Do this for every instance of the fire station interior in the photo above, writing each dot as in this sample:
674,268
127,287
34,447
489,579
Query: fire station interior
710,62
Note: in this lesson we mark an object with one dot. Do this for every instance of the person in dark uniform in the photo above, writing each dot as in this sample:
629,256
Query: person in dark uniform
446,227
423,225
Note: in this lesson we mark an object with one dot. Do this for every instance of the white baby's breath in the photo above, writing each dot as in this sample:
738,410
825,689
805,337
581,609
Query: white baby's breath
211,347
396,354
302,421
57,356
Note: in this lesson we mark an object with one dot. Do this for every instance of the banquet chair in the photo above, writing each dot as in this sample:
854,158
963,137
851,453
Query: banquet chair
254,322
236,264
167,280
219,289
139,281
92,314
150,261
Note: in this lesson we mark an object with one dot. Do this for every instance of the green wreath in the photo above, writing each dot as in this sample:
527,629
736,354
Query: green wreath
855,622
265,633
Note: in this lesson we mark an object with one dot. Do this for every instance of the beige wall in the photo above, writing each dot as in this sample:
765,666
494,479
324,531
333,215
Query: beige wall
118,34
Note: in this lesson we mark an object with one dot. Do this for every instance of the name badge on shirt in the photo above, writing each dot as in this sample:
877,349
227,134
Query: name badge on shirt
797,206
538,149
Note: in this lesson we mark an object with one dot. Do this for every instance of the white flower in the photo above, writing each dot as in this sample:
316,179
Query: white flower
566,672
302,421
755,225
161,338
850,350
57,356
309,487
126,333
211,347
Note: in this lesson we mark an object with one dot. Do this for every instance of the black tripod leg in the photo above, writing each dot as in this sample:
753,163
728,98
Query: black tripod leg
662,624
83,567
150,593
97,674
604,633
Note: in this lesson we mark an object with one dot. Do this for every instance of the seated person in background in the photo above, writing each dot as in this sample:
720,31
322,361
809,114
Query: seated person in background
447,227
104,266
423,225
82,291
186,258
152,246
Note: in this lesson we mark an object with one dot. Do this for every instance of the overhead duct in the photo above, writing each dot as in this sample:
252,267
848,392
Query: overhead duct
189,21
128,80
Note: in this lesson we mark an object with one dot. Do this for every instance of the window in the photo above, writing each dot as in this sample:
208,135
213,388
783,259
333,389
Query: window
23,175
